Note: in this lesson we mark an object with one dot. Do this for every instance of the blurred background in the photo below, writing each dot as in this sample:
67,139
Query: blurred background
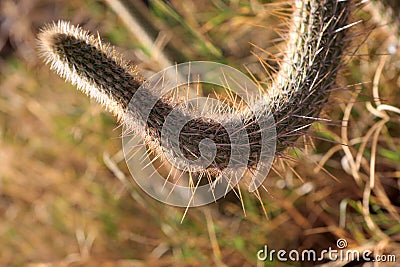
66,198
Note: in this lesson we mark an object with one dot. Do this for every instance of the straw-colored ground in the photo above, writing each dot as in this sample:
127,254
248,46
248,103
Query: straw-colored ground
65,195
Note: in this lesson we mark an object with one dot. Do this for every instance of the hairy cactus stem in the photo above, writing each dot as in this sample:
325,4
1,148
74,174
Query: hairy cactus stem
316,43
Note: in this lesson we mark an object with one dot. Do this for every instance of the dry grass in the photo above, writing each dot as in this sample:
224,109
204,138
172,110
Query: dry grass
64,201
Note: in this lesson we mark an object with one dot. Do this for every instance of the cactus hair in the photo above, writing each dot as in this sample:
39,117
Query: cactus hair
317,40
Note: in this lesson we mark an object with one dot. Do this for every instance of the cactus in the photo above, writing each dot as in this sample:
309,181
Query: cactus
316,43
